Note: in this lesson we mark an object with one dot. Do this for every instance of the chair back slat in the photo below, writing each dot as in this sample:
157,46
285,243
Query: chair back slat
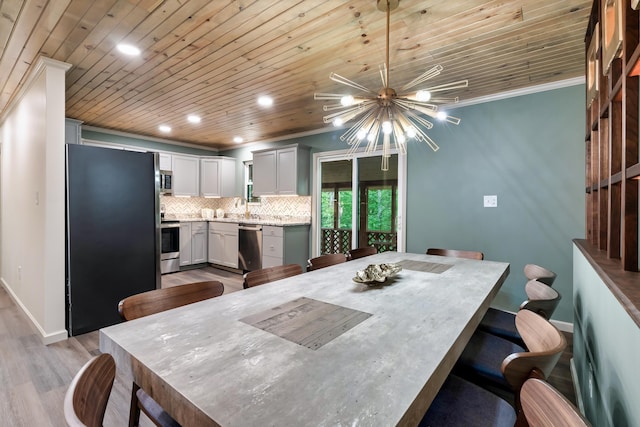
541,274
456,253
544,406
87,396
270,274
325,261
157,300
361,252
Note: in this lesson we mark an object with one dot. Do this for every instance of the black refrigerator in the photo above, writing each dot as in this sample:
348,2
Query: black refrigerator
113,232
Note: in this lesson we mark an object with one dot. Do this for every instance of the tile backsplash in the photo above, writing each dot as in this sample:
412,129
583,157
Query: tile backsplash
190,207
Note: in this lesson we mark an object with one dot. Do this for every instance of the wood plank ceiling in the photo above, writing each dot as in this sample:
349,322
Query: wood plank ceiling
214,58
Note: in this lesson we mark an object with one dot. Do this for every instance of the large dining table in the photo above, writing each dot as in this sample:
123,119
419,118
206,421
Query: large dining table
317,349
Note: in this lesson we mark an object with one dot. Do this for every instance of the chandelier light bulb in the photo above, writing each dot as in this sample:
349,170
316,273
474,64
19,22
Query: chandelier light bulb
411,132
386,127
362,134
423,95
441,115
337,122
347,101
401,139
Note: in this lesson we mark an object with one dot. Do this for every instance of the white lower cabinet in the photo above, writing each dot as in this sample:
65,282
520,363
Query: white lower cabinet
193,243
223,244
285,245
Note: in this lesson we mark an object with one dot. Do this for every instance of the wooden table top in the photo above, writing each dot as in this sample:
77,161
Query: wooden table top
314,349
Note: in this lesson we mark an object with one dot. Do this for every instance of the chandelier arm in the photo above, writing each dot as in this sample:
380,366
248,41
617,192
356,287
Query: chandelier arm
345,81
411,105
449,86
429,74
387,63
327,96
364,122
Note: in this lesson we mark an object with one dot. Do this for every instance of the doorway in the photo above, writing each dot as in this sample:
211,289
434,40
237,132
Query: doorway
357,204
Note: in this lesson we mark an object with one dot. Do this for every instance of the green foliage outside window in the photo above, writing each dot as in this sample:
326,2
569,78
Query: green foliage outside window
379,209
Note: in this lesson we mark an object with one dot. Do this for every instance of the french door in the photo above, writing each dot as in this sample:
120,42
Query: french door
356,204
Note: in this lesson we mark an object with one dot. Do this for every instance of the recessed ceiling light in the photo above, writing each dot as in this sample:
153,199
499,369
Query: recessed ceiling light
265,101
128,49
238,139
194,119
164,128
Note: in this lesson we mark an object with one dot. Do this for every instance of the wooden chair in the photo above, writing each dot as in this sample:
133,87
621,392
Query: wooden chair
502,366
325,261
462,403
361,252
541,274
87,396
542,300
270,274
156,301
543,406
456,253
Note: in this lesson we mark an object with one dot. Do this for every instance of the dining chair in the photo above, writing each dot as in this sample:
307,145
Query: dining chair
270,274
542,299
462,403
541,274
88,394
456,253
502,366
361,252
543,406
323,261
156,301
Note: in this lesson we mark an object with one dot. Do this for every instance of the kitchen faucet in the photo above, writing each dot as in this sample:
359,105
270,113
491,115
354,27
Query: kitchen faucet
247,214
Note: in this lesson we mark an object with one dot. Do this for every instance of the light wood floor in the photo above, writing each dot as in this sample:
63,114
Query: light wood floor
35,377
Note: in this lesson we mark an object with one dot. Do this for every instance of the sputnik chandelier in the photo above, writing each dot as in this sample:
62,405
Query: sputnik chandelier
397,116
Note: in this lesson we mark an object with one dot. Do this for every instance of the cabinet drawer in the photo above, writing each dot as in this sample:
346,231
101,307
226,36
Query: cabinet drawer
272,246
224,226
269,230
198,227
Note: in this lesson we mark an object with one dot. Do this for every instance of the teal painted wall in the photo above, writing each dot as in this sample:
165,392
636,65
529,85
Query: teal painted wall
527,150
606,344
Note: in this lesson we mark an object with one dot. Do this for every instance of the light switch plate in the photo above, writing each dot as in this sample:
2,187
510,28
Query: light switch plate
491,201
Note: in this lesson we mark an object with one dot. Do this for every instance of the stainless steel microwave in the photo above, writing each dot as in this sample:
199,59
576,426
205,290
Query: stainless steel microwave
166,182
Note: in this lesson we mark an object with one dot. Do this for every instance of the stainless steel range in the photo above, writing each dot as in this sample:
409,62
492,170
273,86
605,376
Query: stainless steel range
170,254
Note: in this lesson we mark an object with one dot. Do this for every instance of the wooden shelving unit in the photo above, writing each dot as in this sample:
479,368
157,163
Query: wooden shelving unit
612,156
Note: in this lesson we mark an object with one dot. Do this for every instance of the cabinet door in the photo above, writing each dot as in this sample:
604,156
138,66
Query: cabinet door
210,178
186,176
287,171
230,250
198,242
264,173
216,247
185,243
165,162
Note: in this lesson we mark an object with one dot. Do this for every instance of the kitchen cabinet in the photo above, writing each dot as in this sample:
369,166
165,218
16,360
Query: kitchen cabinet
285,245
223,244
193,243
186,175
165,162
217,177
72,131
283,171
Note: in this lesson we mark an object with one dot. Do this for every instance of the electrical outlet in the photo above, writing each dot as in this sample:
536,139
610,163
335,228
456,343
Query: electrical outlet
19,273
491,201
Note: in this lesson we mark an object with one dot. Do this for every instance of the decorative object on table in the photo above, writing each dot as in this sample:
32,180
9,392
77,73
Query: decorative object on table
611,32
375,274
397,116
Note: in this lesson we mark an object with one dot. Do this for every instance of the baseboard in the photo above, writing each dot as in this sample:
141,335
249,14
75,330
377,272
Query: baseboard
46,338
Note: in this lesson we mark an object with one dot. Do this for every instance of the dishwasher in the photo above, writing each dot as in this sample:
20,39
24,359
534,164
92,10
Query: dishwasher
250,247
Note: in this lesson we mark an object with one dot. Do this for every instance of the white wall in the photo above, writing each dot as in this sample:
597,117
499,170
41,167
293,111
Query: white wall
32,192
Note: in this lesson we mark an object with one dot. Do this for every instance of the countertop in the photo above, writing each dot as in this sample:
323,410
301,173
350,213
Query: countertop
284,221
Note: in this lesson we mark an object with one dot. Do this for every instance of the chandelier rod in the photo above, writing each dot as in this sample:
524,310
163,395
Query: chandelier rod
388,19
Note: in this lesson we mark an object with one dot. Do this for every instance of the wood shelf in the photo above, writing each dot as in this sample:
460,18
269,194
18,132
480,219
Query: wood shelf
612,171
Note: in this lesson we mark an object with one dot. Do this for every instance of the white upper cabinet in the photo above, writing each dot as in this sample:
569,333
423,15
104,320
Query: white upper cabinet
217,177
282,171
165,162
186,175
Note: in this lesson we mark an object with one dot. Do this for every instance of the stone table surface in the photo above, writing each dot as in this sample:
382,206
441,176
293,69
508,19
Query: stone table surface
223,362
